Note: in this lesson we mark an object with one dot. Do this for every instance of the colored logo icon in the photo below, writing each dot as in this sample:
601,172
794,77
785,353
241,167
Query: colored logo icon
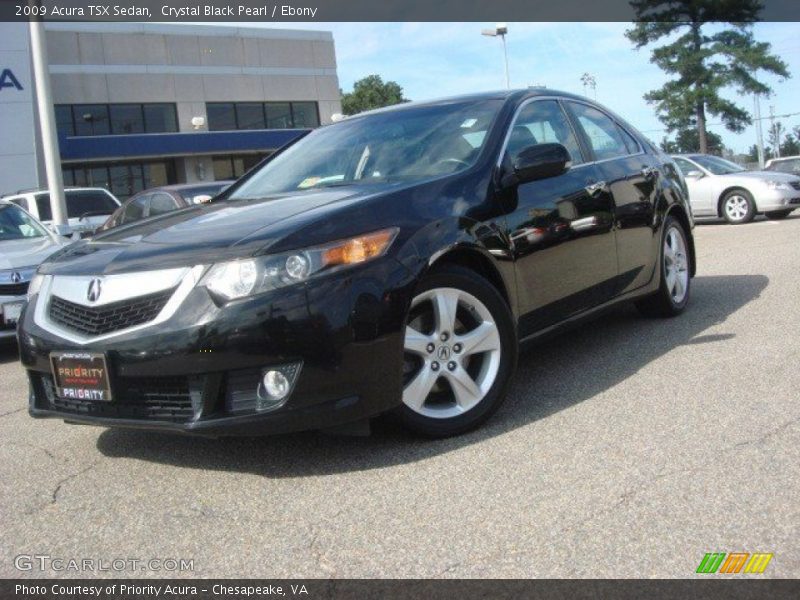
736,562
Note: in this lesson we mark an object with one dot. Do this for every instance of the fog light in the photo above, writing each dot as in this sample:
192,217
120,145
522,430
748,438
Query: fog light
275,386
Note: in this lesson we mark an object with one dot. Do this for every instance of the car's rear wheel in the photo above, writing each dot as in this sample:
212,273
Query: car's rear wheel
673,293
460,352
777,214
738,207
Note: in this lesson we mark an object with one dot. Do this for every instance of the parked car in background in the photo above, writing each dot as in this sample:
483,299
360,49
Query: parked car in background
785,164
87,208
160,200
390,261
721,188
24,244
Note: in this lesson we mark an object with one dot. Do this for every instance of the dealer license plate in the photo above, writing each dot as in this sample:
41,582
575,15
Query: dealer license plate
81,376
11,312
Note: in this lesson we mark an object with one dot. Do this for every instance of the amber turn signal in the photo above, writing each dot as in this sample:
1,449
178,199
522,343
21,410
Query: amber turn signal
358,249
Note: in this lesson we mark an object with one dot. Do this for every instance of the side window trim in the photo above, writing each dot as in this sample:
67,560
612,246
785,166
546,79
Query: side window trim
518,111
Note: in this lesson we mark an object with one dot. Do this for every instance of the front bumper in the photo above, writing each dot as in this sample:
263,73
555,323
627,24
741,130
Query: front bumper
8,330
198,371
778,200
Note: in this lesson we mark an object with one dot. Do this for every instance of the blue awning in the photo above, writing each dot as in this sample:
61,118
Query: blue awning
149,145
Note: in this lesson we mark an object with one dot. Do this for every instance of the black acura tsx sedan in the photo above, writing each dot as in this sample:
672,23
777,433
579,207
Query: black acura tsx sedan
390,262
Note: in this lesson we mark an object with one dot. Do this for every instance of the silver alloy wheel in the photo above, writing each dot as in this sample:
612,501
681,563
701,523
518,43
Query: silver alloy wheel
676,264
736,207
463,355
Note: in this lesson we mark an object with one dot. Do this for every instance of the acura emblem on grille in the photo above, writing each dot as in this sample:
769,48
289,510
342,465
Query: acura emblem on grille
16,277
94,290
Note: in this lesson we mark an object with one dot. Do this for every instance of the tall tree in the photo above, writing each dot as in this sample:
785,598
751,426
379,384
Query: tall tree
371,92
687,141
775,134
703,59
791,145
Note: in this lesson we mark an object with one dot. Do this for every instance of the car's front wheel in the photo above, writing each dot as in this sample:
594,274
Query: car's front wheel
460,352
738,207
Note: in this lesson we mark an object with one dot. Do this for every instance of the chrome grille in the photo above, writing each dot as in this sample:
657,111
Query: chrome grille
98,320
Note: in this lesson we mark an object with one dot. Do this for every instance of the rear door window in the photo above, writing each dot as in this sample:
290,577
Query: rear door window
135,209
95,202
43,206
604,136
161,203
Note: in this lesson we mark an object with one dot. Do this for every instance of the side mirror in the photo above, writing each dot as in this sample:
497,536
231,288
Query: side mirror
694,175
538,162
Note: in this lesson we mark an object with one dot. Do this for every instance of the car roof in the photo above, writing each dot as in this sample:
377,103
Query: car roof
37,192
476,97
184,187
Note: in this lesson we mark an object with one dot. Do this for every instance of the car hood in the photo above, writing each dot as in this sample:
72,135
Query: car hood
29,252
764,175
202,234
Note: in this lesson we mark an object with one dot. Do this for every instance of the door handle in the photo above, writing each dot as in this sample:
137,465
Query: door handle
593,189
650,172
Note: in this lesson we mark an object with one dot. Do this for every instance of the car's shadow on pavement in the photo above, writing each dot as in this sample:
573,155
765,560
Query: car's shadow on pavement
552,376
8,351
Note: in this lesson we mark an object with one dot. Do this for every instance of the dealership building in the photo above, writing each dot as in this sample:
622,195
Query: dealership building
141,105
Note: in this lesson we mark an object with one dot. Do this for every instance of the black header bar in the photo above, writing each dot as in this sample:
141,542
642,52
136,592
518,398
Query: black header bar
285,11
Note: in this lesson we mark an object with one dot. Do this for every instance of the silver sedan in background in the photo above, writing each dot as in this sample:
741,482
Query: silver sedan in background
721,188
24,244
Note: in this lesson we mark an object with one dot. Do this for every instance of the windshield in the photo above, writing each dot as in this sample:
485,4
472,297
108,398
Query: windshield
404,145
717,165
16,224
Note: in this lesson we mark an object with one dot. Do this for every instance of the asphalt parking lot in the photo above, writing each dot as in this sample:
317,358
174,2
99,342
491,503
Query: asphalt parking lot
628,448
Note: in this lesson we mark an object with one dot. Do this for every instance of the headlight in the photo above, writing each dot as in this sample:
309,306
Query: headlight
777,185
246,277
35,284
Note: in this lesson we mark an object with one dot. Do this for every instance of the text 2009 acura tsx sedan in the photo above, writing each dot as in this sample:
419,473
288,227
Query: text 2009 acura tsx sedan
391,261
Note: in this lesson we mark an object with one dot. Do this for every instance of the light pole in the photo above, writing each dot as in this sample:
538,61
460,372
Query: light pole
588,80
759,133
47,123
500,30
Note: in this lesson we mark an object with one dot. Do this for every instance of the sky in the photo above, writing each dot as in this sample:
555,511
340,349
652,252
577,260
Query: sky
431,60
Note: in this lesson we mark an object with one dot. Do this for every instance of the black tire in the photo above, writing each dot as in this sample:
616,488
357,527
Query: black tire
742,196
776,215
453,276
662,303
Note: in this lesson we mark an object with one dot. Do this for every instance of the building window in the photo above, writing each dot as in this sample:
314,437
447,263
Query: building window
305,115
233,167
115,119
123,179
160,118
229,116
250,115
90,119
221,116
126,118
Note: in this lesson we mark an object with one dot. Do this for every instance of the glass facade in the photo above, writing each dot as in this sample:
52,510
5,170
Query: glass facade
115,119
233,167
229,116
123,179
